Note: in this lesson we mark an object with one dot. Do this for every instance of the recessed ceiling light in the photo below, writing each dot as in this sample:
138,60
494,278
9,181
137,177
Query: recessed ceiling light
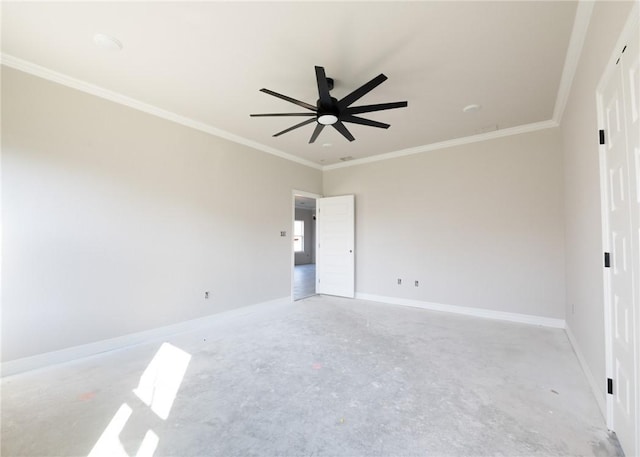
326,145
107,42
471,108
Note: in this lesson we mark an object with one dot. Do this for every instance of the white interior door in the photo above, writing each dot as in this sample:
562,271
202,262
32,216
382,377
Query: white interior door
619,106
335,274
631,84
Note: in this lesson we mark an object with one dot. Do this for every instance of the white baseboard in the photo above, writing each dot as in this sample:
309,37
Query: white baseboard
504,316
16,366
475,312
76,352
597,393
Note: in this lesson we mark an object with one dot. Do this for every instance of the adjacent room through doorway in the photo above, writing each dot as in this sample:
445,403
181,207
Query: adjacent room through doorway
304,247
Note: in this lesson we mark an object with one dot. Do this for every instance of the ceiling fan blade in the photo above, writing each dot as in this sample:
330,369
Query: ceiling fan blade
303,123
289,99
378,107
339,126
363,121
282,114
323,87
316,132
361,91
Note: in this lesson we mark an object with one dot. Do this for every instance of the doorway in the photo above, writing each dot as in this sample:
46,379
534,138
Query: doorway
304,245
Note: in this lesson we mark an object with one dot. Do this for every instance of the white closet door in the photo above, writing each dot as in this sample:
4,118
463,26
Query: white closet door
619,105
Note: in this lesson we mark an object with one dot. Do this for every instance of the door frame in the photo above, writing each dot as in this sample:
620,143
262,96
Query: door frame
299,193
625,35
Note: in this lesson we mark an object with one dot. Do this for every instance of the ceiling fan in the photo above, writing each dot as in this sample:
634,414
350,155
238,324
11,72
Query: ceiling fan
329,111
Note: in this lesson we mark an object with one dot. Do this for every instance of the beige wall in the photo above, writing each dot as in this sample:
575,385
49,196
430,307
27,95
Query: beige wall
115,221
584,276
479,225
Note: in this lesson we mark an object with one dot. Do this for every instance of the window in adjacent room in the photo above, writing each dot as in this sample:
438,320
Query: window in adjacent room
298,236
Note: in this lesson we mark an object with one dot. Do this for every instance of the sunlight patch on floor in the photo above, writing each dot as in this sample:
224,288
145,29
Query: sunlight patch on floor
157,388
109,442
149,444
161,380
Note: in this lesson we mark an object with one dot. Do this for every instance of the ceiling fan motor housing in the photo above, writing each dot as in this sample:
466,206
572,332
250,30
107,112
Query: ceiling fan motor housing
328,109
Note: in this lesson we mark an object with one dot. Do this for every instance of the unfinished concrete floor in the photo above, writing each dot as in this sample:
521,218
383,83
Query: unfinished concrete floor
322,377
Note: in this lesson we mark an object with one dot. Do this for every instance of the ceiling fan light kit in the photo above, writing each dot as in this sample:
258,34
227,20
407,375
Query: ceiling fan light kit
327,119
330,111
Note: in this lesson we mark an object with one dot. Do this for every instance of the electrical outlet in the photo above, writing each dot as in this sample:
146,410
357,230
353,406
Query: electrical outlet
399,281
206,295
416,283
283,233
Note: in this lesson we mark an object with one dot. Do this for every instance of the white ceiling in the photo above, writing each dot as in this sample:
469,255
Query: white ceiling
206,61
305,202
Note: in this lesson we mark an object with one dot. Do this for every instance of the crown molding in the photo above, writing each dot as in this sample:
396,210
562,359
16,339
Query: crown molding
572,58
581,22
83,86
448,144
